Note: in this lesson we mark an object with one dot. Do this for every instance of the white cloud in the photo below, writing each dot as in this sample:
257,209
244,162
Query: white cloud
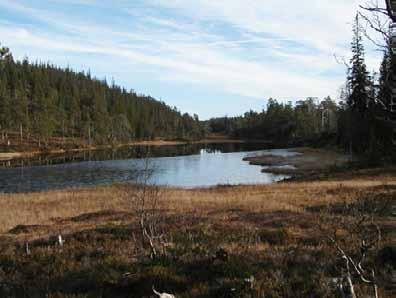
279,48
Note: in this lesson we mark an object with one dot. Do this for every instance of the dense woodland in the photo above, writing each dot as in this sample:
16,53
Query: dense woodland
361,122
43,100
306,119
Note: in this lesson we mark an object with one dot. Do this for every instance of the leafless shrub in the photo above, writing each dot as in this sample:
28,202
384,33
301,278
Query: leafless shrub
355,235
145,200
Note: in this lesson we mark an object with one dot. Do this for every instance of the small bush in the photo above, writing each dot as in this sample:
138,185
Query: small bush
274,237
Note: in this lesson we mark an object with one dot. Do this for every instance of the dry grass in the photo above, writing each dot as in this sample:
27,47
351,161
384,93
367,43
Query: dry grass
48,208
310,160
270,232
9,155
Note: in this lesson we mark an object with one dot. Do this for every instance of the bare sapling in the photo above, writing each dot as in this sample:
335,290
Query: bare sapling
145,198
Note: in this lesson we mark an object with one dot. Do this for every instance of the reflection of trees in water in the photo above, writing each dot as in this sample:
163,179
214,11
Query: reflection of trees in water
134,152
123,165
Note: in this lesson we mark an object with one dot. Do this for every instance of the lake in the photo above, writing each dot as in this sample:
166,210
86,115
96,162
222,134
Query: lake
187,166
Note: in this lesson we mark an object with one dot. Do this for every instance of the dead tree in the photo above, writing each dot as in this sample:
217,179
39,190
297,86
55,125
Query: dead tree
377,19
363,235
163,295
366,275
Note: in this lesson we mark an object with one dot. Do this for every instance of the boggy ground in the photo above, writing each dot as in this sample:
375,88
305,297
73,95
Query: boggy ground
308,162
276,234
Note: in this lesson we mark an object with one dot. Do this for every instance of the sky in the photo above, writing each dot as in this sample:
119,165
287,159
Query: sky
209,57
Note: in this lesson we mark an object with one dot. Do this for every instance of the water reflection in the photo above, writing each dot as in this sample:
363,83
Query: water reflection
123,153
180,166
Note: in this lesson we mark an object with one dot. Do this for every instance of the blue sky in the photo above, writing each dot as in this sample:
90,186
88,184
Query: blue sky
213,58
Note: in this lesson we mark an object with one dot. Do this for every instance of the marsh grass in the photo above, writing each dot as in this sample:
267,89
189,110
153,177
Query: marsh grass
269,232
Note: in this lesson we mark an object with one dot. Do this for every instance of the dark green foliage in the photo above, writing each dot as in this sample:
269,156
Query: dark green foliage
365,124
357,119
382,129
282,122
358,79
46,101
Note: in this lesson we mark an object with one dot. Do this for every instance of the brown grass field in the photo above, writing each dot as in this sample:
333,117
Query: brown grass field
276,233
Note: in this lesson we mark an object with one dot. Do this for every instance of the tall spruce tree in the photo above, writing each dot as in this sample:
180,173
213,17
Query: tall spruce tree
358,101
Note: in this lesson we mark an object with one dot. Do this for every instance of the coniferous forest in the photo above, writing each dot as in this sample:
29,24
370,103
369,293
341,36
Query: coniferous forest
362,122
42,100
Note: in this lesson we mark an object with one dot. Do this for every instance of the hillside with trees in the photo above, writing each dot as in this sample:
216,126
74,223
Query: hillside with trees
44,101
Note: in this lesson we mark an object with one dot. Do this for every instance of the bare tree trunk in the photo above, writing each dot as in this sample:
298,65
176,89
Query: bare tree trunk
341,288
351,288
376,291
152,245
375,287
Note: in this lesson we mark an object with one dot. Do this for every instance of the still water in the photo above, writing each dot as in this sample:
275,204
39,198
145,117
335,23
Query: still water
185,166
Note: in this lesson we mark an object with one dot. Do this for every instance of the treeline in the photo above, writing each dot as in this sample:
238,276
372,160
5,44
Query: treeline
367,115
363,122
281,122
46,101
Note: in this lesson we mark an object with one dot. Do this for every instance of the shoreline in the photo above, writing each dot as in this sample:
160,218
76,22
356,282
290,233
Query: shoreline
67,203
12,156
307,162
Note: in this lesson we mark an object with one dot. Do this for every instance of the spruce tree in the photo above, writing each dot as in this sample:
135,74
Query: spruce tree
359,78
384,93
358,101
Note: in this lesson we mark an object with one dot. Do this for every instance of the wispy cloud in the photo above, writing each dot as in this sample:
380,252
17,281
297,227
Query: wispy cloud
242,48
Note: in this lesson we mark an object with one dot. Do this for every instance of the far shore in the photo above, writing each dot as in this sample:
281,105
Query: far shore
10,156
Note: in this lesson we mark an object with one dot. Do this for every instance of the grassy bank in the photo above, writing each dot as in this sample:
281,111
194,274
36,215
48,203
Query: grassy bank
276,234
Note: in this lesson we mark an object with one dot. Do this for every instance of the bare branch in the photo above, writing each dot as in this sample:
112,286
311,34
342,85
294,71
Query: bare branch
341,60
375,21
